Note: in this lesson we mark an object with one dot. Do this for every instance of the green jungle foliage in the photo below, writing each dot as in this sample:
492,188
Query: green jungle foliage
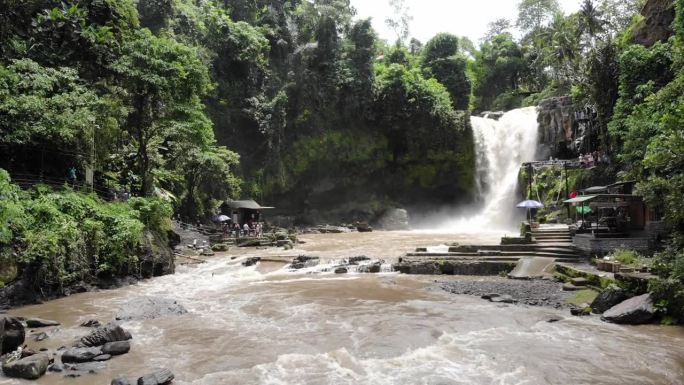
68,237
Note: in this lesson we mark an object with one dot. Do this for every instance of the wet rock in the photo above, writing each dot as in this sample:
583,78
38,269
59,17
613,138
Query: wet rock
120,381
56,367
489,296
28,352
634,311
332,229
116,348
158,377
609,297
102,357
40,323
111,332
363,227
88,367
503,299
251,261
12,334
304,261
393,219
341,270
207,252
40,336
582,310
553,319
92,323
29,368
495,115
76,355
374,267
356,260
147,308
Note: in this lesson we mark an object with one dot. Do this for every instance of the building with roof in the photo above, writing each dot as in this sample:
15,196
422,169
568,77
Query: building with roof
244,211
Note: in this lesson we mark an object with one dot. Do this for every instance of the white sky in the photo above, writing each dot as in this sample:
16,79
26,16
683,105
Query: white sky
460,17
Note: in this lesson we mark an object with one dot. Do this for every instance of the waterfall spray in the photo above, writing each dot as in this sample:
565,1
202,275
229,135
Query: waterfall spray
501,147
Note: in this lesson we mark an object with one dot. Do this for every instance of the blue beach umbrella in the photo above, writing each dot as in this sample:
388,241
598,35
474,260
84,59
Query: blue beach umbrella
220,218
530,204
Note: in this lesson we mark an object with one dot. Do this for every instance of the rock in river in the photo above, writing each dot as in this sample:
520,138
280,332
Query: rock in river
116,348
341,270
12,334
634,311
80,354
40,323
109,333
158,377
609,297
29,368
146,308
120,381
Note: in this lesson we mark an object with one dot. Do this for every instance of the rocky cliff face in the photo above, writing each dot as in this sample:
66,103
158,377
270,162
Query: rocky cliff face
565,129
657,23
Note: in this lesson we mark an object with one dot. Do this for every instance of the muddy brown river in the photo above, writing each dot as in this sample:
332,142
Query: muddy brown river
266,325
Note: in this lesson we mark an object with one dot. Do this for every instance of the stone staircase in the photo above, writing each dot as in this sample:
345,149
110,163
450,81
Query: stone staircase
553,243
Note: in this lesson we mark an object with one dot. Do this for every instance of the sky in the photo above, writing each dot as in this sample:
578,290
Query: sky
461,17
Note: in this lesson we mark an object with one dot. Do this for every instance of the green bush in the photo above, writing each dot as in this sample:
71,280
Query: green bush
625,257
69,236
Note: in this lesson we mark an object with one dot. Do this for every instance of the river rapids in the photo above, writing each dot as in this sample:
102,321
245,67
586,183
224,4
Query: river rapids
266,324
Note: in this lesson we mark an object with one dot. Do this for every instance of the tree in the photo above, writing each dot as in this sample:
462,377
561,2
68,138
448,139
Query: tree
496,28
534,14
401,20
590,21
497,71
164,81
442,61
415,46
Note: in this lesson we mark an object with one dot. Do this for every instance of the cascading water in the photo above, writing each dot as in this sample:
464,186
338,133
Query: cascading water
501,147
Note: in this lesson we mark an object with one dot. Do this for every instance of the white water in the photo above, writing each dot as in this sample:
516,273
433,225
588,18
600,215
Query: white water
501,147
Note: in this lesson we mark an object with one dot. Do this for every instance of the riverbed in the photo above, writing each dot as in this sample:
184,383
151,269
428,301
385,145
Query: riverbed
266,325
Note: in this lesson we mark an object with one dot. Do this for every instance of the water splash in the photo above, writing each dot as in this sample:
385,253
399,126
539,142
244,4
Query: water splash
501,147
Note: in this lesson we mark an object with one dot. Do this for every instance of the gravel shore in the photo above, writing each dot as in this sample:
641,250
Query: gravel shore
528,292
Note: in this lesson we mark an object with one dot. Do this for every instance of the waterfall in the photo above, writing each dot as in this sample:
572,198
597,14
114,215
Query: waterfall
501,147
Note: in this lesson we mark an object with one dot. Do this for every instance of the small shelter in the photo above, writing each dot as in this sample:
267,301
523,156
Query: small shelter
243,211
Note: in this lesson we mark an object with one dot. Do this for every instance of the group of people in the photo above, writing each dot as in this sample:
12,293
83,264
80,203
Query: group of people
248,229
593,159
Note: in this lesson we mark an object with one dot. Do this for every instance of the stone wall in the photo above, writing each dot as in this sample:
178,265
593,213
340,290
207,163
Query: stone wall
601,246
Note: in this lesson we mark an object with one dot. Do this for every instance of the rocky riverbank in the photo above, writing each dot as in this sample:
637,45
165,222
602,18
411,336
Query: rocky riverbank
499,289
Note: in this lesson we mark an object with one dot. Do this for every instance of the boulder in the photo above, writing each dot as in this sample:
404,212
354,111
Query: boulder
56,367
76,355
340,270
120,381
111,332
158,377
40,323
634,311
304,261
374,267
581,310
609,297
103,357
12,334
356,260
40,336
147,308
251,261
116,348
393,219
29,368
92,323
489,296
88,367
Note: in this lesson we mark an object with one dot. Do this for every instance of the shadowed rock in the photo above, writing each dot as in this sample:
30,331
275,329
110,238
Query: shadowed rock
116,348
12,334
609,297
159,377
80,354
40,323
111,332
634,311
29,368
